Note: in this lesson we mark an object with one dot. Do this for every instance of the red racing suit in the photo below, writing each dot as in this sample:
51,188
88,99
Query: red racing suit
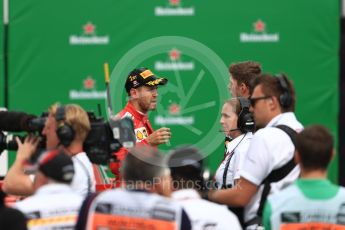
142,129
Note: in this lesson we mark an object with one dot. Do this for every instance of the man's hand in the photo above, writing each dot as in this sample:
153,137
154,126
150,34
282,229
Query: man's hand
159,136
238,196
26,149
16,182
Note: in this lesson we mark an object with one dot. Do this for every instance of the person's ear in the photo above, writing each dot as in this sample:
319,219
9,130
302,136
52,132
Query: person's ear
244,89
273,102
133,93
297,157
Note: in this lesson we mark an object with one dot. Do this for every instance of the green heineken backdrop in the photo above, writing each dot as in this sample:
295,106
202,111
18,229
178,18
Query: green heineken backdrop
57,50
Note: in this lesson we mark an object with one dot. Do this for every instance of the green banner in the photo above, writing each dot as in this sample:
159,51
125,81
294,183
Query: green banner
57,50
2,86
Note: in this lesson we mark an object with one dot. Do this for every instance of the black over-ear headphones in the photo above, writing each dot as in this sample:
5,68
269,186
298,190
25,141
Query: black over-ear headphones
64,131
285,98
245,121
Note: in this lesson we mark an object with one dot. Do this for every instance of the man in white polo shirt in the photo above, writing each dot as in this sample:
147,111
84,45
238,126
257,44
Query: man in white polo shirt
273,104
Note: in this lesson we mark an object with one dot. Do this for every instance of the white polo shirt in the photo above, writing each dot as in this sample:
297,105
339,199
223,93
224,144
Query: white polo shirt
205,214
84,176
52,206
270,149
240,147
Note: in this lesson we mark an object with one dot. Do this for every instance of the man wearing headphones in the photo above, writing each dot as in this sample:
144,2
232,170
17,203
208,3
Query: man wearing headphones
66,128
270,154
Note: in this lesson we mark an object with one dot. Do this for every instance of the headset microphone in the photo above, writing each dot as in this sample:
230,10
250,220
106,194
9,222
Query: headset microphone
228,138
226,131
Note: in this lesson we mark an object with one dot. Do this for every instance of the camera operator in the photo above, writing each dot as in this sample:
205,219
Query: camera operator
66,127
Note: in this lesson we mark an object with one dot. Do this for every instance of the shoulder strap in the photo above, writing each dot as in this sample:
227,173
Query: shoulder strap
277,174
280,173
289,131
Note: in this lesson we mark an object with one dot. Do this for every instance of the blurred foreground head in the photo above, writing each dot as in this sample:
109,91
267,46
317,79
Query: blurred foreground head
314,148
145,168
186,167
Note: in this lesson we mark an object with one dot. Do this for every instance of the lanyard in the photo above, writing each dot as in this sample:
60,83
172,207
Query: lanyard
231,154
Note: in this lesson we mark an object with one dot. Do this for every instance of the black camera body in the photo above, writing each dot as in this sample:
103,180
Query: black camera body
104,139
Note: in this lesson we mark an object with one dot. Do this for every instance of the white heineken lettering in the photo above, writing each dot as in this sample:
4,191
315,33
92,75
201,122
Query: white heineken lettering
174,65
74,94
180,11
83,40
160,120
245,37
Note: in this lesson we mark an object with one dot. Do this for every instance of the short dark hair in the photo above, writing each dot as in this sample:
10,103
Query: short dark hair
186,167
271,87
245,72
315,147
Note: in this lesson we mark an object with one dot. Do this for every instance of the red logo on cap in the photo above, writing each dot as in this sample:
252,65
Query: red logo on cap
89,28
259,26
89,83
174,54
174,2
174,109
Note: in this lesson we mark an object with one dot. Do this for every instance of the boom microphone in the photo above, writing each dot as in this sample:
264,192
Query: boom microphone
231,130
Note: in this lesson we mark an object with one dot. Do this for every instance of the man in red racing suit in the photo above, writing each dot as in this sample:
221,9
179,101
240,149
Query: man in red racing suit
141,86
